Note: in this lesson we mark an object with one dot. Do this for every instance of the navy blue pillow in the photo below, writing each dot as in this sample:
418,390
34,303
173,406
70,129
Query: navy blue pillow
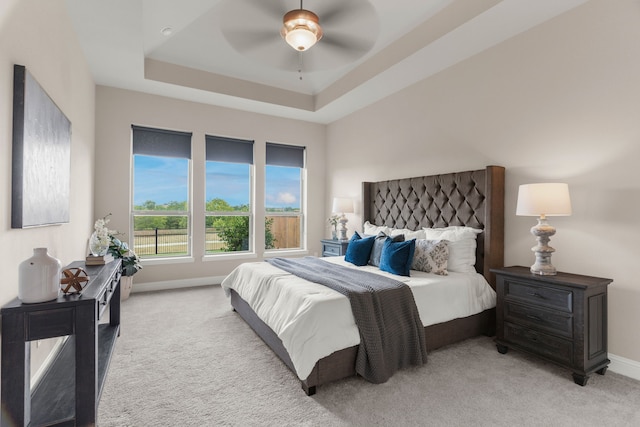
359,249
396,257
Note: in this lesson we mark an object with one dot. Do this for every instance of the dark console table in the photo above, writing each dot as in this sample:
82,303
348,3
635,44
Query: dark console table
69,391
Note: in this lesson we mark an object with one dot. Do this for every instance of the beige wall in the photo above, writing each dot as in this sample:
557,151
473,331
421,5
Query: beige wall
558,103
38,34
117,110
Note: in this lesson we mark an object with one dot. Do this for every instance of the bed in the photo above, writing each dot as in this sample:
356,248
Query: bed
472,198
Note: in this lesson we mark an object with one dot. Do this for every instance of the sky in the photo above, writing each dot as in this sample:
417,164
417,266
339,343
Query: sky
165,179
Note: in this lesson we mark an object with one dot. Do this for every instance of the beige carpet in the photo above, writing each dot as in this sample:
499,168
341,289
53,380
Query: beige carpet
185,359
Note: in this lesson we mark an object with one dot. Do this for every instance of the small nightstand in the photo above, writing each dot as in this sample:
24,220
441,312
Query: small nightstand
561,318
334,247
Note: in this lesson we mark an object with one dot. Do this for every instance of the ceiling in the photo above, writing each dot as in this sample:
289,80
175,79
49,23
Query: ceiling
229,52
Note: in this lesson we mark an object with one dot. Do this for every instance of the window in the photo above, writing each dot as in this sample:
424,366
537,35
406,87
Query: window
161,168
284,197
229,170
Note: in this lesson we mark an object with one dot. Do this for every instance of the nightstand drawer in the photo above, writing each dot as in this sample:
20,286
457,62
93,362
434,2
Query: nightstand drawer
552,348
542,296
554,322
334,247
330,250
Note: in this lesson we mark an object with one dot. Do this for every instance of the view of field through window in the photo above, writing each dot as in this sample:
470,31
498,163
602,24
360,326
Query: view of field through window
161,218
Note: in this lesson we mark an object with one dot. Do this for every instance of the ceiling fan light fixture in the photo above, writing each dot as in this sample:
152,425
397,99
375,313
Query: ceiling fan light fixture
301,29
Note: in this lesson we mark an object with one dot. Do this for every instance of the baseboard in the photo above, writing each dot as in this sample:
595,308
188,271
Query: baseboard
176,284
623,366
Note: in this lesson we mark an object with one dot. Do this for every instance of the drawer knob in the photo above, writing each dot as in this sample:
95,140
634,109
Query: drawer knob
535,294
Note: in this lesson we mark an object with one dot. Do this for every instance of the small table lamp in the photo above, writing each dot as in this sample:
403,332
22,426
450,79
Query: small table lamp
342,205
543,200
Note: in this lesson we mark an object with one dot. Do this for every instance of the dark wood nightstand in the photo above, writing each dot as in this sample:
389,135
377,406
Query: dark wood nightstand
334,247
561,318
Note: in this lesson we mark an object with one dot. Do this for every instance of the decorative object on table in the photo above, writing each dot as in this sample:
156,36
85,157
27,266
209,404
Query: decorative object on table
101,238
38,277
333,221
343,206
543,200
130,264
74,280
98,259
41,156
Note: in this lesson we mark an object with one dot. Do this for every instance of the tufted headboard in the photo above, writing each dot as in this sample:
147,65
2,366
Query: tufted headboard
472,198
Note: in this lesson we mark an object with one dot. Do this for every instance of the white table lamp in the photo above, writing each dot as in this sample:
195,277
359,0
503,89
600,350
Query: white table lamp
543,200
342,205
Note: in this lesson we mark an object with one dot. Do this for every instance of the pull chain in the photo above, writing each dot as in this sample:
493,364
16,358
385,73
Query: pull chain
300,64
300,55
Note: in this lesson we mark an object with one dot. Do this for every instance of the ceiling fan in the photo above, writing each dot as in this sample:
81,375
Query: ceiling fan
301,28
339,31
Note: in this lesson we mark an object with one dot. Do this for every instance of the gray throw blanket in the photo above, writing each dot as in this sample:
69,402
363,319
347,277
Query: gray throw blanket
391,332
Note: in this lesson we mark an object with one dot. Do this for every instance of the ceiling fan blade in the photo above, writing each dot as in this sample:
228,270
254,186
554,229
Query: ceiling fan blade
347,42
247,41
286,60
344,12
274,9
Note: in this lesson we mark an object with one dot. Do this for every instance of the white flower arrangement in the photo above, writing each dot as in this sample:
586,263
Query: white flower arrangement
107,238
102,233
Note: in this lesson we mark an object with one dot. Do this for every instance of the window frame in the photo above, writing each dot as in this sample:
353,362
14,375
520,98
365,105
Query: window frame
160,140
284,155
238,155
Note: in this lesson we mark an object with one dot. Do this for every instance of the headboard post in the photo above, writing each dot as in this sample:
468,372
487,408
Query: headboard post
494,226
471,198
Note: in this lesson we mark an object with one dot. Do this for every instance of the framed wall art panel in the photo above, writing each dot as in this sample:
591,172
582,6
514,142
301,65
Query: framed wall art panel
41,167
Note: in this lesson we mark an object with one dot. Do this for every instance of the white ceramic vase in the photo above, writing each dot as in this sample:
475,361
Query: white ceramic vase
39,277
126,283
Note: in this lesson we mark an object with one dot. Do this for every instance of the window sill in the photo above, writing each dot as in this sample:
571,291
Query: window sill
285,252
167,260
229,256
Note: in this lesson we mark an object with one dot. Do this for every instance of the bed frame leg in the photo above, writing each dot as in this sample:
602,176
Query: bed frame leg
310,391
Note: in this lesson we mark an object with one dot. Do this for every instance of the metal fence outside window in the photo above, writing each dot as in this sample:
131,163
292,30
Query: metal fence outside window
174,242
161,242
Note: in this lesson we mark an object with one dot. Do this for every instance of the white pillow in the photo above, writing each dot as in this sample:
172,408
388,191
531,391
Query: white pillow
453,233
373,230
462,246
408,234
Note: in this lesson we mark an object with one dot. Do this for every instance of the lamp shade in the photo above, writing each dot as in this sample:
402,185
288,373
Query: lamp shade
300,38
544,199
342,205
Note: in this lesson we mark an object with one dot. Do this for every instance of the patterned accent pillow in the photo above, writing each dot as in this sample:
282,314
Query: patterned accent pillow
431,256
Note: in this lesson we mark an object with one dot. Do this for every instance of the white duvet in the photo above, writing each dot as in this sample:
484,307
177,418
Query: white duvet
314,321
